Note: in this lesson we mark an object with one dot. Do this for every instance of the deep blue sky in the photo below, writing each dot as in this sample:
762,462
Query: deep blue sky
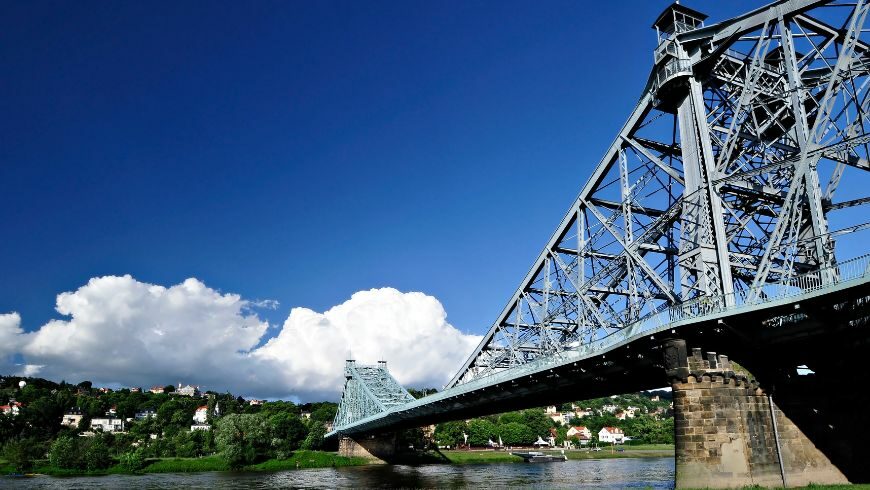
302,151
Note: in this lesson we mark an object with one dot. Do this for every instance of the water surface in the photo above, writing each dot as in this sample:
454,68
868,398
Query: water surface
590,473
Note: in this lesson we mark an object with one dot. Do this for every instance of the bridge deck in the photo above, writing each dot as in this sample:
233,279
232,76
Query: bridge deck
537,383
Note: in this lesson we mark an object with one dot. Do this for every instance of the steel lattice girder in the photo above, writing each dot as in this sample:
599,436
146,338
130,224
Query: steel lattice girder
368,390
713,187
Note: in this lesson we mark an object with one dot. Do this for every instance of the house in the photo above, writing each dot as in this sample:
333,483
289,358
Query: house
201,415
579,431
72,417
112,411
145,414
108,424
254,401
611,434
12,408
200,427
551,410
655,398
135,390
305,415
620,415
582,412
156,390
187,390
609,408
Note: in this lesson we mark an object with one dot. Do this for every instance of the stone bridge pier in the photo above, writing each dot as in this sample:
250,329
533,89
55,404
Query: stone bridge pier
377,448
730,432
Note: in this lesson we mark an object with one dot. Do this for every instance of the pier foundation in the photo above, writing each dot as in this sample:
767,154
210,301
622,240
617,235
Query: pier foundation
730,433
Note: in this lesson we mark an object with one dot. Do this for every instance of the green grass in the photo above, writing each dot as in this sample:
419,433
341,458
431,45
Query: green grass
645,447
307,459
6,467
187,465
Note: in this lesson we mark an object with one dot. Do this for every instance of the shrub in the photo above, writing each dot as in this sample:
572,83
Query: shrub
132,460
64,453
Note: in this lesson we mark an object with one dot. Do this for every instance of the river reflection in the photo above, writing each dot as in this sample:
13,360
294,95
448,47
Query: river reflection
603,473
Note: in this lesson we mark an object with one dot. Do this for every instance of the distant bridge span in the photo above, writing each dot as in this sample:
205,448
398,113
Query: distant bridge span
720,215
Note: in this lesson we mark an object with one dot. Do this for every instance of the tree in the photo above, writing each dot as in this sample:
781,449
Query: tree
22,452
449,433
481,431
314,440
288,433
64,453
242,438
324,413
538,422
514,434
97,455
508,417
169,389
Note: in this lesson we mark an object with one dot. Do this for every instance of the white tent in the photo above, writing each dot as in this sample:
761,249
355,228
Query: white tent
541,442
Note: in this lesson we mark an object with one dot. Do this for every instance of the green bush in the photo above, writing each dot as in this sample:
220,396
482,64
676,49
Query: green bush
132,460
20,453
97,455
64,453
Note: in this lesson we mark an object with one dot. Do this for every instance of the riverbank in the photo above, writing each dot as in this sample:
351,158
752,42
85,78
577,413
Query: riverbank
321,459
299,460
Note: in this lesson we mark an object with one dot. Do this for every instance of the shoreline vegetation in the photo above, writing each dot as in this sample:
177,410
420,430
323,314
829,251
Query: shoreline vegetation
322,459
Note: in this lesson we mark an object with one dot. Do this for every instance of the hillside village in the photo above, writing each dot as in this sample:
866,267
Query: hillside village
97,426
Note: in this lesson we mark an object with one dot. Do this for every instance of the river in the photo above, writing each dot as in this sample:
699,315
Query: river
590,473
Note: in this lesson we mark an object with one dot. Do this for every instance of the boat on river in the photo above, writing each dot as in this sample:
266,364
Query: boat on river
539,457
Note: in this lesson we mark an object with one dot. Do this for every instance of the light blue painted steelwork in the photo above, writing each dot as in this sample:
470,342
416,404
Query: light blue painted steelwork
709,201
849,274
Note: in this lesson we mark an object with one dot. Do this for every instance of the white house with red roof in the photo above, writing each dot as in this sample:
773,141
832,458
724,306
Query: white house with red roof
580,431
201,414
611,434
12,408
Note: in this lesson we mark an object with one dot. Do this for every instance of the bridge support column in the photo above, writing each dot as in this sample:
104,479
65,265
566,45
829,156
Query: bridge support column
729,433
379,448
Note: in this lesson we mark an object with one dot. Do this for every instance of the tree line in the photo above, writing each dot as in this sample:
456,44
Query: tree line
240,432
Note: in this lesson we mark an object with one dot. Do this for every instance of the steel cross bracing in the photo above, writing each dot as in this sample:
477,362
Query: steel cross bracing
368,390
725,179
849,275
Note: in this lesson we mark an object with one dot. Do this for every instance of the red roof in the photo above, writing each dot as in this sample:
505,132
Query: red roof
204,407
580,428
613,430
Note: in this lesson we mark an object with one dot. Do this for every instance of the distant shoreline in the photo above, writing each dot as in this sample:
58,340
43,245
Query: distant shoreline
302,460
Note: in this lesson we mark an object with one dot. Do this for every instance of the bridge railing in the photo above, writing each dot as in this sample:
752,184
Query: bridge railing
853,270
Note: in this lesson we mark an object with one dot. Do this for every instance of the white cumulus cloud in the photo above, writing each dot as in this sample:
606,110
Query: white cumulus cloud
408,330
120,330
10,338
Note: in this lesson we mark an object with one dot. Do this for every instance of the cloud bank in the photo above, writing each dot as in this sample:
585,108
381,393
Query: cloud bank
122,331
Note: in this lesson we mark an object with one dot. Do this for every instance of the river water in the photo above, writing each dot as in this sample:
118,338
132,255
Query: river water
590,473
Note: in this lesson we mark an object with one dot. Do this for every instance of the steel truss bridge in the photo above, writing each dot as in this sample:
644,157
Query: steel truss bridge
727,205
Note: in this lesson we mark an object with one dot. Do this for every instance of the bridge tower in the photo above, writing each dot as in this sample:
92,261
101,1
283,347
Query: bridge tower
703,252
368,392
